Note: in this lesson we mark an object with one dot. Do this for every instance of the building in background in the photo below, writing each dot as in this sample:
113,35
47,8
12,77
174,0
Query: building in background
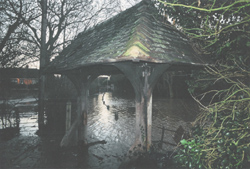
17,81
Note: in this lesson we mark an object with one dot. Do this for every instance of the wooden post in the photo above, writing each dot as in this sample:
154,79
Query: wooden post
169,79
77,131
162,136
143,77
68,116
149,123
82,113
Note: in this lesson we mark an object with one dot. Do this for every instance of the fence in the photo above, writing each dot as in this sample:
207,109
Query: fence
9,116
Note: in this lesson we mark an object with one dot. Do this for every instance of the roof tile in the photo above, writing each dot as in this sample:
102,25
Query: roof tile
137,34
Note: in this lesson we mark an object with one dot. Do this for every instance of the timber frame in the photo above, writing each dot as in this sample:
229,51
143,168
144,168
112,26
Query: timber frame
143,77
138,43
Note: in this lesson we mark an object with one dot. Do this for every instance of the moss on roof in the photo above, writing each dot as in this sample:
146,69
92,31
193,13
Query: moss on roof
137,34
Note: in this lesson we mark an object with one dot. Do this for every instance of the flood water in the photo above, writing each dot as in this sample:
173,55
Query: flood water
114,122
28,116
110,118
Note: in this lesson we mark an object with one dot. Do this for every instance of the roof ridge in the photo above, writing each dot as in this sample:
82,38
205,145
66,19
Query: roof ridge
91,29
140,40
136,34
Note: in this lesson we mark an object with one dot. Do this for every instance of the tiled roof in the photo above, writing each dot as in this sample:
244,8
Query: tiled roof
137,34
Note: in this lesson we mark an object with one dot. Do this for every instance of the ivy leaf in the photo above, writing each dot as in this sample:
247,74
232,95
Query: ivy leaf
183,142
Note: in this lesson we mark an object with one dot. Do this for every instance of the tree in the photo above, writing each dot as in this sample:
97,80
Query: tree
13,15
221,28
21,19
65,19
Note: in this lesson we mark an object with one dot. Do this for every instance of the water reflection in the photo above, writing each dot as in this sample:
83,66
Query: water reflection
28,123
24,115
172,114
116,124
111,124
102,106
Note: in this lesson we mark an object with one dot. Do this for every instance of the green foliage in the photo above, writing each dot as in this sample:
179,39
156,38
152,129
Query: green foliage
226,126
222,138
221,29
191,154
222,132
200,84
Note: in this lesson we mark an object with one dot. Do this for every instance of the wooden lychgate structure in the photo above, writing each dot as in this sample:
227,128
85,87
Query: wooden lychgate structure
138,43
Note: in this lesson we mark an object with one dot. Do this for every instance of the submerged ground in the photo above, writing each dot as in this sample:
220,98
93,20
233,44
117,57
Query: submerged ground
113,122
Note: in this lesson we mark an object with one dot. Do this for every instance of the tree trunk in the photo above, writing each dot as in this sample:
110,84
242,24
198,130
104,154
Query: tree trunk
43,54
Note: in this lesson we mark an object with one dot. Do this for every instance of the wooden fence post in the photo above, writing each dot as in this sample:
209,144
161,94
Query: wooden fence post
68,116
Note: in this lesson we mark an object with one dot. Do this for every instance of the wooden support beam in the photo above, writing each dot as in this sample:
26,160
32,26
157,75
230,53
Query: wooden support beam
70,135
68,116
143,77
82,112
149,122
77,131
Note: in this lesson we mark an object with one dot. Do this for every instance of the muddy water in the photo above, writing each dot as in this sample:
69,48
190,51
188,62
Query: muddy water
110,118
